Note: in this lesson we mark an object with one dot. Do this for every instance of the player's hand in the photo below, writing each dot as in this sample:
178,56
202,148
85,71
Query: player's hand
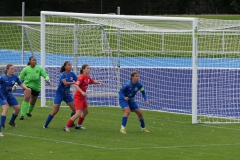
47,81
126,98
14,88
101,83
147,102
84,94
5,102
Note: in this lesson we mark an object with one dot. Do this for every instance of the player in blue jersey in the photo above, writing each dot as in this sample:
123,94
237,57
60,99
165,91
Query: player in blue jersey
127,101
7,82
66,79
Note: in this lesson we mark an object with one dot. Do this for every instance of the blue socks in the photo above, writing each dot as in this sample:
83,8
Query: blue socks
14,116
124,121
50,117
142,124
3,119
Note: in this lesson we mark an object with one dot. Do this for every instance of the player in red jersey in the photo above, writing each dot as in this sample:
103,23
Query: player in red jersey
80,95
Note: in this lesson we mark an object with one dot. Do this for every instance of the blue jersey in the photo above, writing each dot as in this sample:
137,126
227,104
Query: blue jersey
65,89
6,84
129,90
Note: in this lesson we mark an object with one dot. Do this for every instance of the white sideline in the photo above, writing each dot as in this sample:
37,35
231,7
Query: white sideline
137,148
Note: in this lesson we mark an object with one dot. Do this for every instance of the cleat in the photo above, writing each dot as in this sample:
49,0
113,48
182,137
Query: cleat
66,129
12,124
29,115
145,130
73,125
123,131
79,127
22,118
44,126
1,135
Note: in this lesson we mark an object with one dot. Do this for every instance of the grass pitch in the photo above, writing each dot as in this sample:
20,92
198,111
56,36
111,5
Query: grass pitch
172,136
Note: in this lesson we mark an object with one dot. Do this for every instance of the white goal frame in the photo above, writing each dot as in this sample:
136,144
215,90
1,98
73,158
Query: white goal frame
194,22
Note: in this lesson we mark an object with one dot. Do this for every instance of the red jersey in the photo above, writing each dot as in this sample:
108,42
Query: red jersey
83,81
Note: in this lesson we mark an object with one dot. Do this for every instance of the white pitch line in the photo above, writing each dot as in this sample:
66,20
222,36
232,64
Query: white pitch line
138,148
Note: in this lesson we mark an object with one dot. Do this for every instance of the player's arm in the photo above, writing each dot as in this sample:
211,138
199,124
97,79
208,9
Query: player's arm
144,95
122,90
76,85
44,74
96,82
1,81
65,82
79,90
22,74
24,87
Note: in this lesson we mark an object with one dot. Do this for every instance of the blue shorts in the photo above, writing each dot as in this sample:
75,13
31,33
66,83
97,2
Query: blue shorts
130,103
58,98
11,100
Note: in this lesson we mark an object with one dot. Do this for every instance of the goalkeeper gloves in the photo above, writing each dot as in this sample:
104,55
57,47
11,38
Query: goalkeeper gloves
14,88
48,81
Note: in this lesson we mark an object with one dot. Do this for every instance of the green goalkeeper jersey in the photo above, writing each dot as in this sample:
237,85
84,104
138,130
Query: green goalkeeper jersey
31,76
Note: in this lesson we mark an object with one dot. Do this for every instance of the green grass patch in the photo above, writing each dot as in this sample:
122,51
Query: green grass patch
172,136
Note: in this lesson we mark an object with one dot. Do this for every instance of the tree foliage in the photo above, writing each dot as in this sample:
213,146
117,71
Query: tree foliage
133,7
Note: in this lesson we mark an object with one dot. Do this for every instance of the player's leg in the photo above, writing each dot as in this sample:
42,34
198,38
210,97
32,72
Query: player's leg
4,114
71,104
82,116
51,115
25,103
1,135
33,99
57,102
125,107
14,115
138,111
78,108
12,101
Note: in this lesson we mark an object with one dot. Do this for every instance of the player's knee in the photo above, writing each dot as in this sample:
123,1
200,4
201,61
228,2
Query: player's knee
78,114
5,110
17,110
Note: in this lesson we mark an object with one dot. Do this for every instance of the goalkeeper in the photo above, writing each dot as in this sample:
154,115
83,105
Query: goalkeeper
128,103
31,75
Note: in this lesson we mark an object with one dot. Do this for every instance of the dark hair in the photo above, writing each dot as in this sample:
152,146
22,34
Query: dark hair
30,59
7,67
62,69
133,74
83,67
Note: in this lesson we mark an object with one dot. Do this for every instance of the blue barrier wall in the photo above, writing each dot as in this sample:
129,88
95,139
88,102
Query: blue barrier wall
168,82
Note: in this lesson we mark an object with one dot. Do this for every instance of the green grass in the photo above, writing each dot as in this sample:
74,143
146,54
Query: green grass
172,136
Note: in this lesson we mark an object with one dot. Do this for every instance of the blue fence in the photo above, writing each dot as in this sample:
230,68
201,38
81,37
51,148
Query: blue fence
167,81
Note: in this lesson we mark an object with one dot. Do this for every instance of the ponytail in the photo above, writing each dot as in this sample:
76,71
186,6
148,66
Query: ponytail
63,69
29,60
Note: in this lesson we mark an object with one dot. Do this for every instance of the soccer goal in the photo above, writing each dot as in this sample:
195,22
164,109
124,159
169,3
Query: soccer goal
188,66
